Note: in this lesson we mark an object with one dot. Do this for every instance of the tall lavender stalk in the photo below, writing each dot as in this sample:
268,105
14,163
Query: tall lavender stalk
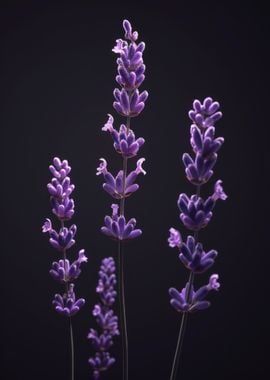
129,102
105,318
195,214
60,189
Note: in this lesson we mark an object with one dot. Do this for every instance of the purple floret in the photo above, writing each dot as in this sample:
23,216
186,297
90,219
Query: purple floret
67,304
118,228
125,141
196,300
119,187
205,114
195,212
63,271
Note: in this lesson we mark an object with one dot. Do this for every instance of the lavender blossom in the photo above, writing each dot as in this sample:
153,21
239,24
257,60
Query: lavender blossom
194,257
67,304
63,271
60,189
196,302
120,186
117,227
205,114
203,141
196,213
125,141
105,318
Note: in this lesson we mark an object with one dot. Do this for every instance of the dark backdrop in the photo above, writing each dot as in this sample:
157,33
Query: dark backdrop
57,76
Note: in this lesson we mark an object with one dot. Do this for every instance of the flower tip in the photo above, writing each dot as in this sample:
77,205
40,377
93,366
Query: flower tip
219,193
108,126
127,26
139,168
102,168
47,226
213,282
175,238
115,208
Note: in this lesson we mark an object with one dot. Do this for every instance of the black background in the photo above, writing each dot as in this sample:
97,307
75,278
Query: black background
57,77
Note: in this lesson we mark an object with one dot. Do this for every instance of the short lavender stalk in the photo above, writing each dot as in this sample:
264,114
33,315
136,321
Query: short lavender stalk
195,215
60,190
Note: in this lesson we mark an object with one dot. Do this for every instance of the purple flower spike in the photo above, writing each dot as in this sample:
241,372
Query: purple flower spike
117,227
197,300
125,141
194,258
60,189
105,318
129,101
205,114
67,304
63,271
195,213
119,187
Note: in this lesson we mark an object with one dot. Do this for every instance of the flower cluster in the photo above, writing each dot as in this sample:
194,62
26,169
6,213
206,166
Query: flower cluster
197,299
117,227
120,186
129,102
195,212
60,190
203,142
105,318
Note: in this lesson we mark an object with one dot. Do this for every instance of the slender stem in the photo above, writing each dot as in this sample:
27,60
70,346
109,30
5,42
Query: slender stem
181,335
121,282
72,348
123,320
184,319
70,321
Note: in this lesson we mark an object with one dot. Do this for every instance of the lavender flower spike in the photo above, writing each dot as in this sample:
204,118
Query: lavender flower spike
60,189
196,213
129,102
105,318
